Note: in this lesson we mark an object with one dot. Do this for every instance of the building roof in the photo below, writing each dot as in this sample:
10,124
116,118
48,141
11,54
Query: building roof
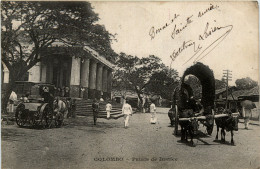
219,91
97,56
238,93
92,53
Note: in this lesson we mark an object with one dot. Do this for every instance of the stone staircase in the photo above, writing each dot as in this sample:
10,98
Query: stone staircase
84,108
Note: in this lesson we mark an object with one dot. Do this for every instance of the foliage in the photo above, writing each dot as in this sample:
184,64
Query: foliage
133,73
163,83
29,27
245,83
219,84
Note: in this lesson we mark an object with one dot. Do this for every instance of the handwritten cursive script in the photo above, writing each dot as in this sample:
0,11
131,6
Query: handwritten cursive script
176,30
215,43
185,45
210,8
153,32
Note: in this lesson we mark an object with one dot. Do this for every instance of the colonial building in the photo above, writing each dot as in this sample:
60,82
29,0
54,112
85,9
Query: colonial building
87,76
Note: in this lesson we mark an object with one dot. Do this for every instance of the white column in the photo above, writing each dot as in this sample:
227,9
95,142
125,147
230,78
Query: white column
6,75
92,75
75,71
85,73
34,73
104,79
43,72
109,81
99,77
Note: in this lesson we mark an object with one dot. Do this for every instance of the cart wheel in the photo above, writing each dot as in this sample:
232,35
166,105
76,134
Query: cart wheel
210,129
19,116
59,120
48,116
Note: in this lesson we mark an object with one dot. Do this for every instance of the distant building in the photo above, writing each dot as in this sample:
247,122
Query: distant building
235,96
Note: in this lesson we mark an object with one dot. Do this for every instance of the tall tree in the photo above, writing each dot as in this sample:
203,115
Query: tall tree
245,83
163,83
134,73
220,84
29,27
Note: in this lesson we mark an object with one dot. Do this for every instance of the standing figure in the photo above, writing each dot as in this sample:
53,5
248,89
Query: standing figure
95,108
61,110
247,114
153,113
63,91
12,99
126,111
67,91
108,109
247,106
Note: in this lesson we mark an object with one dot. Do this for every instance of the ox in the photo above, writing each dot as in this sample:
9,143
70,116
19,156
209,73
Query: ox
228,123
188,127
61,110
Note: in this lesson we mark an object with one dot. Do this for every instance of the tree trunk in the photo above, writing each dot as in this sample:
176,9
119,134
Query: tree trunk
9,88
141,100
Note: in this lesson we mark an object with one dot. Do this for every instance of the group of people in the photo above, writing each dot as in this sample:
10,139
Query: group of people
62,91
127,111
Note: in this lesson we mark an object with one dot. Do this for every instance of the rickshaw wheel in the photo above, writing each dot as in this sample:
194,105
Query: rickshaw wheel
19,119
59,120
48,116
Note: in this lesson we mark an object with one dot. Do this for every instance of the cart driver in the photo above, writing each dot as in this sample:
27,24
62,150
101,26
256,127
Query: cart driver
47,96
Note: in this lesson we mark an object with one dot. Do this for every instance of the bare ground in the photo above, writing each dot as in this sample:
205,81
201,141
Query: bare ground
80,144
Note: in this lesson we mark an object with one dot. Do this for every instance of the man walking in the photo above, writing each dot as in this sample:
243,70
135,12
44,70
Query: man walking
153,113
95,108
108,109
126,111
247,106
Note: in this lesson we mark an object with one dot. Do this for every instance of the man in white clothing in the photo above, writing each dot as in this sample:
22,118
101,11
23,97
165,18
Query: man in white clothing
126,111
153,113
108,109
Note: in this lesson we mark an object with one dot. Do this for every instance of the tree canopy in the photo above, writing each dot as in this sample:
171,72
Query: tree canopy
142,75
29,27
245,83
163,83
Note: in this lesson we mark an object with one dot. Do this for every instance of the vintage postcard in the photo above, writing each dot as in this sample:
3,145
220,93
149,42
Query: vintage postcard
95,84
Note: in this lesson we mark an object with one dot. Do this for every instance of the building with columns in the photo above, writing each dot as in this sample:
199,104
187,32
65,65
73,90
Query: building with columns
88,76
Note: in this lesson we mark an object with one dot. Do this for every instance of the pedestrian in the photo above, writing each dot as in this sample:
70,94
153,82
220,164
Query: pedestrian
108,109
246,114
247,106
67,91
126,111
12,99
95,108
153,113
61,110
63,91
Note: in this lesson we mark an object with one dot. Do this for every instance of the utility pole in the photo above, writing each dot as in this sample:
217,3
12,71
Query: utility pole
228,77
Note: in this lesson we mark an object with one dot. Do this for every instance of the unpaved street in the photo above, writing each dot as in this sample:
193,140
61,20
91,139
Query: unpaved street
81,145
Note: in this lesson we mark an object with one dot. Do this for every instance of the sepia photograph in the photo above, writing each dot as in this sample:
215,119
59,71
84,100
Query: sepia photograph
132,85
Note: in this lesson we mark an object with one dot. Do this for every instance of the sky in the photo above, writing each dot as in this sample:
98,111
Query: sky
222,35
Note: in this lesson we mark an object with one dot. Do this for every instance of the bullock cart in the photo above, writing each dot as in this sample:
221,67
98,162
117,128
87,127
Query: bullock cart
200,118
186,109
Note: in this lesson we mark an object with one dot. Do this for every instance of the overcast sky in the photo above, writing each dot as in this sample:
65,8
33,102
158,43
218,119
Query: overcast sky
222,35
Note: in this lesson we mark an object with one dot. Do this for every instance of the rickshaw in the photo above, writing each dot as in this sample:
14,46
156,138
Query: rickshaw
34,111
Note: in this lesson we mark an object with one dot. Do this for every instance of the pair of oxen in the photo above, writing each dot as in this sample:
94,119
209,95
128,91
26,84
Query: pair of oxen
190,127
188,108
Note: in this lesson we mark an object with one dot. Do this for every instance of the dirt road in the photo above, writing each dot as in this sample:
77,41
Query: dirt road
80,145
